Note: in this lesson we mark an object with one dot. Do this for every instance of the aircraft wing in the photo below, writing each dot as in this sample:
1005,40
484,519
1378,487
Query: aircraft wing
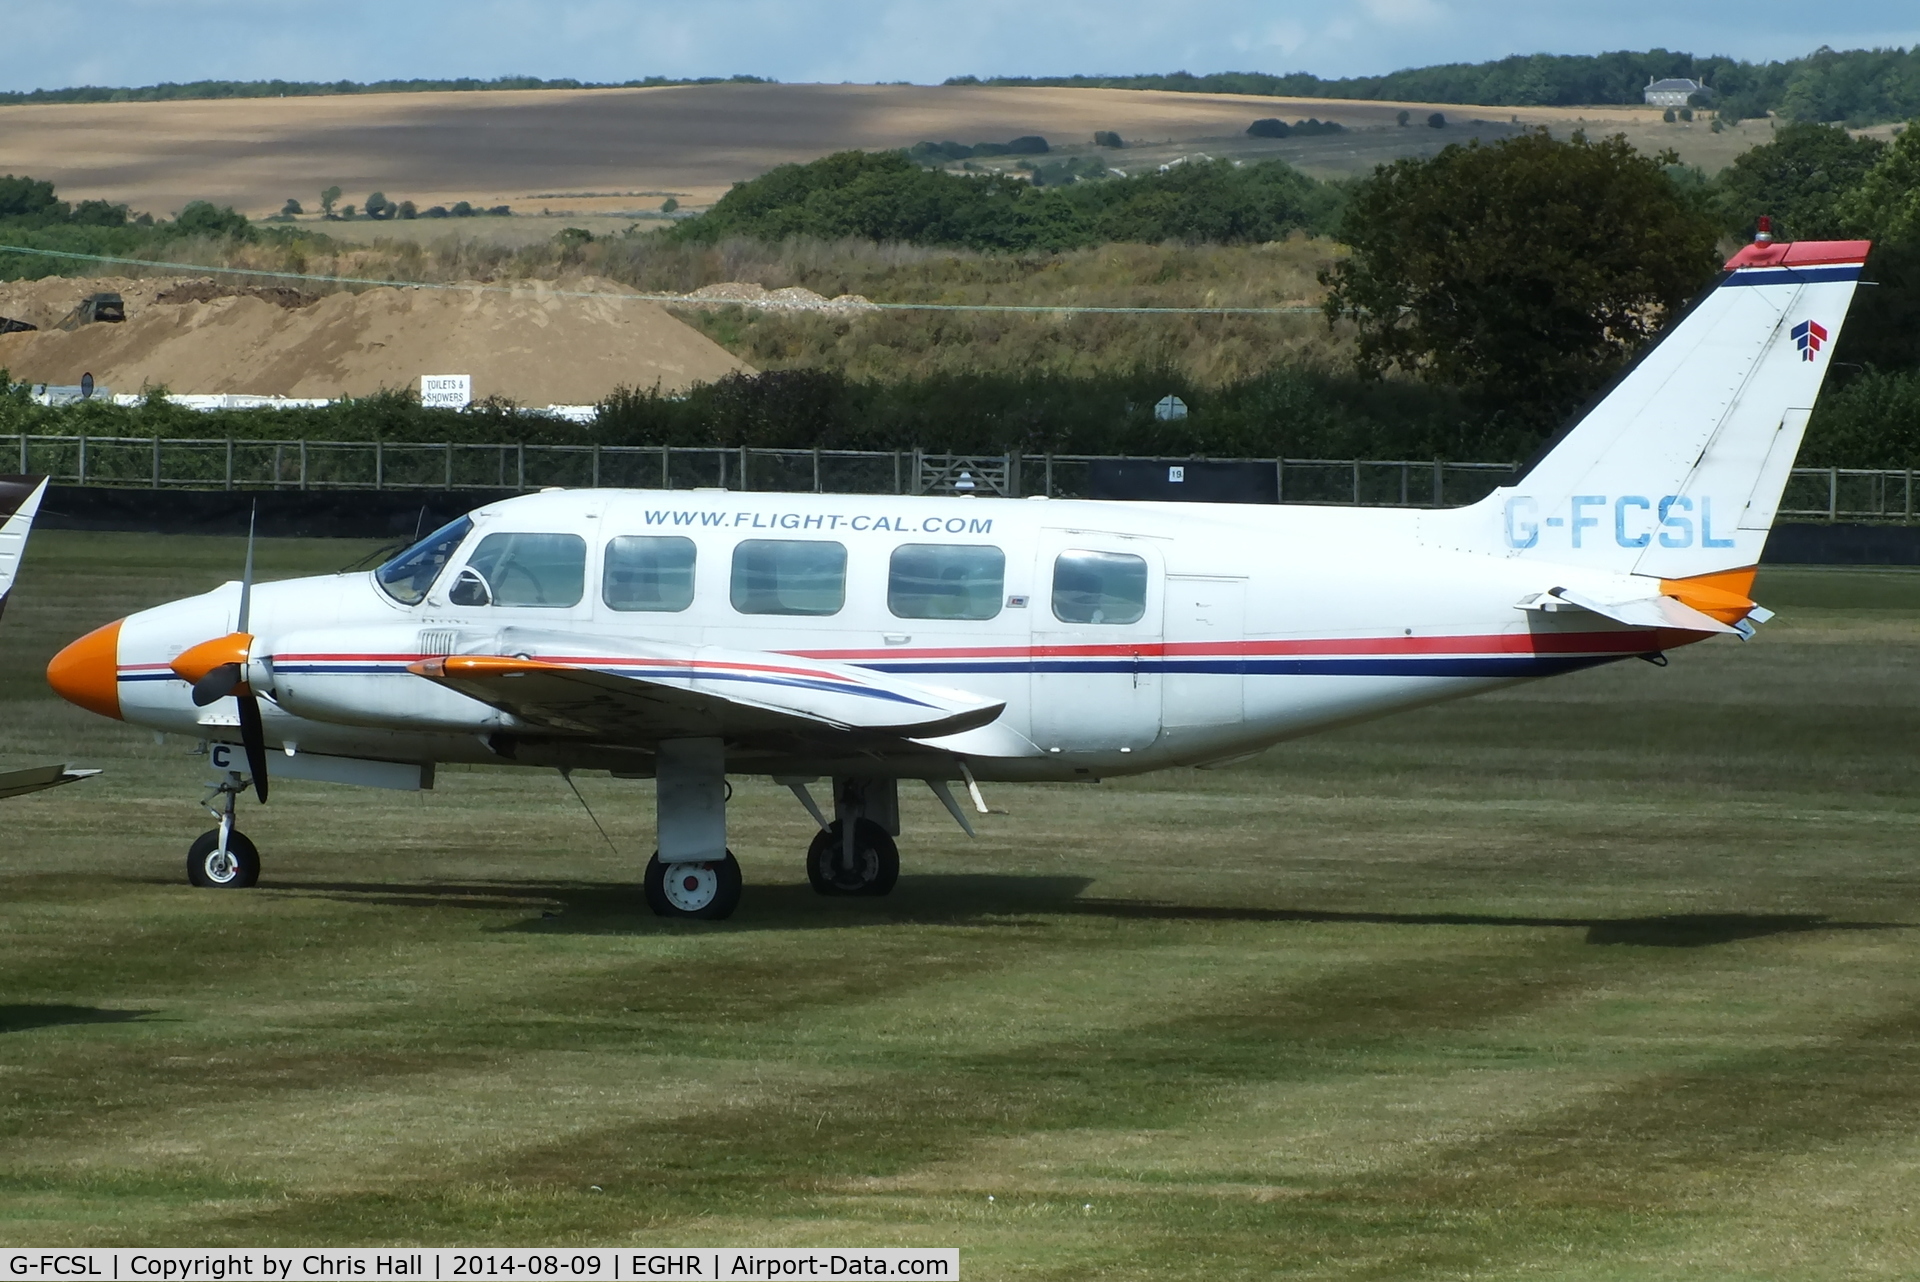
640,694
18,783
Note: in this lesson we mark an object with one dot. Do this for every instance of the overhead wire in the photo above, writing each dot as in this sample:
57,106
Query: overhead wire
678,300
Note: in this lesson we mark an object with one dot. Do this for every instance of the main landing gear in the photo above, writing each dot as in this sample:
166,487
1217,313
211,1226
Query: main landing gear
222,858
855,854
704,890
692,874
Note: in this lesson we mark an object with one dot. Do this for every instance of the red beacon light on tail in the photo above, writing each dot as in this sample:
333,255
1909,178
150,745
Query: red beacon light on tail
1763,230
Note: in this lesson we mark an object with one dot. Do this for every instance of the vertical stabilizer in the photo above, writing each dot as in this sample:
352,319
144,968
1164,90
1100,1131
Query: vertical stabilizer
1677,472
19,503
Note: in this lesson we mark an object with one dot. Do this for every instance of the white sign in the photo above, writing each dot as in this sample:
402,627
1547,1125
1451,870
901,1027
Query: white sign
1169,407
446,391
1176,474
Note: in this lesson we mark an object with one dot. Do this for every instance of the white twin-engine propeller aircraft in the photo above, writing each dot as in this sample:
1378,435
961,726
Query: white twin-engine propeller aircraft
687,635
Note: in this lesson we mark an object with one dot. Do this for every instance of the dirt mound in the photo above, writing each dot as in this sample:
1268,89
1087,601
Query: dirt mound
792,298
534,343
205,291
44,302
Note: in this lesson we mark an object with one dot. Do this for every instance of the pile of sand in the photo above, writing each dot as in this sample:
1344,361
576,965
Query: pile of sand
791,299
533,344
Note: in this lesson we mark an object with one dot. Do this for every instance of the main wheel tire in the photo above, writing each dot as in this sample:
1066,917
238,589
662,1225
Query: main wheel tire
876,861
708,891
239,870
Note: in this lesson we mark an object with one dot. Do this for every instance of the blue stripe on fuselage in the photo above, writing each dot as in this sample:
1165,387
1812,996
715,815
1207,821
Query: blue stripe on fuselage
1793,275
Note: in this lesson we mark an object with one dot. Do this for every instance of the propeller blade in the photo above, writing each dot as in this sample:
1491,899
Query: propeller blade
246,576
253,737
216,685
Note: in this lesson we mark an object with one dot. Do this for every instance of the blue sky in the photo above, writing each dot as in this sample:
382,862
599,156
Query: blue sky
56,43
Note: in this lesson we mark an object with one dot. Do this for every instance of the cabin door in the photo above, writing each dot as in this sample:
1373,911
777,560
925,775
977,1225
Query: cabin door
1096,616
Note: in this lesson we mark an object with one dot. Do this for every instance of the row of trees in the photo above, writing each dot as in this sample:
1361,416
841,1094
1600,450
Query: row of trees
1524,273
1858,86
33,216
886,196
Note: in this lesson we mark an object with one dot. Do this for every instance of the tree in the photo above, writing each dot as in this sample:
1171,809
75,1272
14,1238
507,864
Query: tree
668,205
1404,118
1437,121
378,206
1270,128
27,198
1524,272
1800,178
407,209
203,218
327,198
1107,138
1669,115
291,209
1885,204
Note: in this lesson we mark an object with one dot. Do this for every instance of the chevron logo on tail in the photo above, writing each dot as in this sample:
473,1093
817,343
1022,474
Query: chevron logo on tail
1809,336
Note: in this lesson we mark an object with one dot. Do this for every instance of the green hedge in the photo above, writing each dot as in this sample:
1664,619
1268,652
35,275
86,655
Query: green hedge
885,196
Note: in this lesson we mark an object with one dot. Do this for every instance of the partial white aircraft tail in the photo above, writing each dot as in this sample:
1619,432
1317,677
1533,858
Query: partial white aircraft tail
1677,471
19,502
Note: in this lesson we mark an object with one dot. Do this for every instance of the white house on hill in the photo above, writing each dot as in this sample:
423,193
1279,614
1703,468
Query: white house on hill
1675,93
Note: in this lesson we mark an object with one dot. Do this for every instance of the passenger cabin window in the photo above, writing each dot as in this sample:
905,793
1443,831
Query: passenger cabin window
1099,587
541,570
945,581
648,573
408,577
789,576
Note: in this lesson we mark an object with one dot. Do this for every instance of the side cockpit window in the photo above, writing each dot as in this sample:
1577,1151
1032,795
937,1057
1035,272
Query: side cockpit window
541,570
408,577
648,573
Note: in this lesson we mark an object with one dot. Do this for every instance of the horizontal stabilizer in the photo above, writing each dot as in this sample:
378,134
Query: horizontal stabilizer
1637,612
18,783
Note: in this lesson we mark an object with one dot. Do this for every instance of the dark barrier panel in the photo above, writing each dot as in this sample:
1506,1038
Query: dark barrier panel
1840,544
397,514
1183,482
333,514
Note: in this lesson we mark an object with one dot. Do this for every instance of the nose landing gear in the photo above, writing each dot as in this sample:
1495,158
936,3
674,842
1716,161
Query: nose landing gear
235,867
222,858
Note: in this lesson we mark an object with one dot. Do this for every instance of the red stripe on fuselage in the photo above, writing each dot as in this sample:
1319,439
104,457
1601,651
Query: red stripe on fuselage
1621,642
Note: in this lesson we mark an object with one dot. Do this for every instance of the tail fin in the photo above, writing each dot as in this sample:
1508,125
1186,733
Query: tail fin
1678,470
19,502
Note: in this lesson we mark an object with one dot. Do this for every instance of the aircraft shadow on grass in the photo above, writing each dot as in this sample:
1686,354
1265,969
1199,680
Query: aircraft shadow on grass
21,1017
621,909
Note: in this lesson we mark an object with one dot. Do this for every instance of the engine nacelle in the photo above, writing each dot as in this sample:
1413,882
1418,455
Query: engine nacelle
359,677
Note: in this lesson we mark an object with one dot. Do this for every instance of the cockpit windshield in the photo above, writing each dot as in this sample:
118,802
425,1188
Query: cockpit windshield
408,576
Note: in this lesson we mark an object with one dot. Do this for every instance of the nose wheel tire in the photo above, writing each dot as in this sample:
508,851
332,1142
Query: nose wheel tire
707,891
873,870
237,869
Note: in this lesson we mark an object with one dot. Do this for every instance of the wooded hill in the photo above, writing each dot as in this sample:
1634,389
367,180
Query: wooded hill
1855,86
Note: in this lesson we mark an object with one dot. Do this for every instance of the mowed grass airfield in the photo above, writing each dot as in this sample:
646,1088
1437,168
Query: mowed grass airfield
1614,975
